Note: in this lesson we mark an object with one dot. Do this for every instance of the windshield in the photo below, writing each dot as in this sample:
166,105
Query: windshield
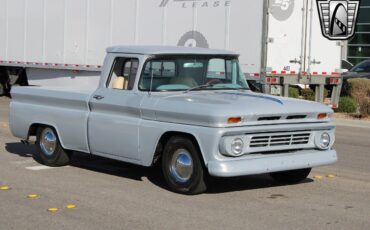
362,67
192,73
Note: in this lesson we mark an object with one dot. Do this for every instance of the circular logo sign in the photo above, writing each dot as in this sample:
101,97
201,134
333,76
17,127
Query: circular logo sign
281,9
193,39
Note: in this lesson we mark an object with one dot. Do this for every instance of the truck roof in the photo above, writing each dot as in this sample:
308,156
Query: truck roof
168,50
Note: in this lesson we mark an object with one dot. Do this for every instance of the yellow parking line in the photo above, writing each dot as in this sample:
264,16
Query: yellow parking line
4,187
70,206
53,209
33,196
318,177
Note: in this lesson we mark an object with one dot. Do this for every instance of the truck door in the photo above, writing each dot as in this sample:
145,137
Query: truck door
115,114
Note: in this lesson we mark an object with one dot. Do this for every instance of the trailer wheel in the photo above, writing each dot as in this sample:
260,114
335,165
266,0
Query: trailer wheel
292,176
48,149
3,80
182,166
2,92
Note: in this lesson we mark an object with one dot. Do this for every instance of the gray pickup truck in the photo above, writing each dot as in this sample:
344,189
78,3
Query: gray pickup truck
188,109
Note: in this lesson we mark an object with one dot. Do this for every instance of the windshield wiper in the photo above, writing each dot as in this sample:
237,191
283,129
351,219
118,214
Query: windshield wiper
210,84
225,88
198,87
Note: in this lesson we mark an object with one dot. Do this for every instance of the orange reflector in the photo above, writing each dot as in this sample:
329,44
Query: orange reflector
322,116
234,120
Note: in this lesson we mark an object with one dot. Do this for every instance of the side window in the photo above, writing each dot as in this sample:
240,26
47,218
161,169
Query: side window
123,73
134,65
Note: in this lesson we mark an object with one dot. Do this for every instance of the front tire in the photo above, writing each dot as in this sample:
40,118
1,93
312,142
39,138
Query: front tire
48,149
182,166
292,176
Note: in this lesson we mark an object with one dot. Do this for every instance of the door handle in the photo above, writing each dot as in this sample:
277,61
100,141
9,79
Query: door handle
295,61
315,62
98,97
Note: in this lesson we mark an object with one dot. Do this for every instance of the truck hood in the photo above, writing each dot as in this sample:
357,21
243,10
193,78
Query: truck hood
213,108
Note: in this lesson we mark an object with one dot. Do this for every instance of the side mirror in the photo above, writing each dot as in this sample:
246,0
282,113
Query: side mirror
346,65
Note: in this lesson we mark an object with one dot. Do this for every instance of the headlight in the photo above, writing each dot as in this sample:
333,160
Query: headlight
237,146
324,141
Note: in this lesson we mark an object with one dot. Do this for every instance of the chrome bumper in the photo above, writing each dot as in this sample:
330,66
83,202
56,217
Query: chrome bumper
258,164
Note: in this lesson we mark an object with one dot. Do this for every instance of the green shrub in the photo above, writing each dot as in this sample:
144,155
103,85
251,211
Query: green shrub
359,90
347,105
327,93
308,94
293,92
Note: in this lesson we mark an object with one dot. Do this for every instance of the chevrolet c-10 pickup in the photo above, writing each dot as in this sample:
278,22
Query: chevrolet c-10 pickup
189,110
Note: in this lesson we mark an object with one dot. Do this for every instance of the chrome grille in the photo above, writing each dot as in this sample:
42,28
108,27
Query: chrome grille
273,140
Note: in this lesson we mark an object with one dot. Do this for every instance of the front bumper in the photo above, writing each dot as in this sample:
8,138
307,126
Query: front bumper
258,164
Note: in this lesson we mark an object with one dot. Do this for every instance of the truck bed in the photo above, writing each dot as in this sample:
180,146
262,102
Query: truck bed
53,106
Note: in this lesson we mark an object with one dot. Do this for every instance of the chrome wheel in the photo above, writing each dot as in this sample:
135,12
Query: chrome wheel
48,141
181,167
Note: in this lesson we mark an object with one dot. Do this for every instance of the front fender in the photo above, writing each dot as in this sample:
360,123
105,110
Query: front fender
150,133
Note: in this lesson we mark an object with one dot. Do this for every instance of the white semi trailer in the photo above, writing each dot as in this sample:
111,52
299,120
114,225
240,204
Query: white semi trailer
48,42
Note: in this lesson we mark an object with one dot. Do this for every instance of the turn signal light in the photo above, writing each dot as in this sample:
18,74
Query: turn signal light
321,116
234,120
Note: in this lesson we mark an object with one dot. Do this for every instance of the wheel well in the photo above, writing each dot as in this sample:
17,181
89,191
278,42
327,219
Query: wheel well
165,138
32,131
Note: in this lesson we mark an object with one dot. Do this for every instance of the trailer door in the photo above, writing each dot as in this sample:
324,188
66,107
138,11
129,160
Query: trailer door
323,55
286,26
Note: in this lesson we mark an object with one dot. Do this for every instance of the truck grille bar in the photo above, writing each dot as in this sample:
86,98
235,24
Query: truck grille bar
279,140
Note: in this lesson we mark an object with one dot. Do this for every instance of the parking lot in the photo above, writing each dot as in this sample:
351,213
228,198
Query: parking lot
106,194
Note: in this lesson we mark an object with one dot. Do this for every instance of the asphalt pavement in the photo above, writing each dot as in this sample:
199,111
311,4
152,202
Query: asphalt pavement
97,193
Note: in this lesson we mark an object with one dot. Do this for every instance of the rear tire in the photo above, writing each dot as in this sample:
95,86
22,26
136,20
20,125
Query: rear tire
292,176
182,166
48,149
